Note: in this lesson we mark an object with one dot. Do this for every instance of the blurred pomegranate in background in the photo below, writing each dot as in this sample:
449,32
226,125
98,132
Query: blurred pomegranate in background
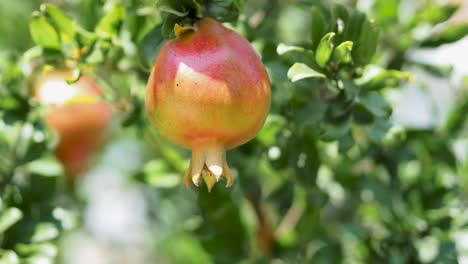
77,114
208,92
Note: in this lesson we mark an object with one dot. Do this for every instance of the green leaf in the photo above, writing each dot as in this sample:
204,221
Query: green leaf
89,13
325,50
76,75
9,257
361,115
9,217
332,132
301,71
450,34
221,218
150,45
68,219
46,167
342,53
345,143
224,11
96,54
172,7
433,14
340,12
134,114
340,17
37,251
318,26
283,48
378,131
441,71
387,11
273,125
33,142
109,25
44,232
167,29
387,78
375,104
366,46
43,33
158,174
353,29
65,25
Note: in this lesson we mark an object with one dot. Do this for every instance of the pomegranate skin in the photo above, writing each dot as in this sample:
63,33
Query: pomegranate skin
77,115
208,92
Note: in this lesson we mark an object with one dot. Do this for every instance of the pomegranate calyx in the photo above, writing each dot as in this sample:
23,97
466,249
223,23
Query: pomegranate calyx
180,30
209,164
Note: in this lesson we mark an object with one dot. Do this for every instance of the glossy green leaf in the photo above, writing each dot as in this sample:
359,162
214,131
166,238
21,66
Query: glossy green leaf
433,14
96,55
375,104
9,217
353,28
224,11
45,167
450,34
387,78
324,50
9,257
340,12
89,14
173,7
342,53
109,25
149,46
332,132
340,17
38,252
318,26
215,208
273,125
76,75
158,174
283,48
43,33
301,71
366,45
345,143
66,26
44,232
387,11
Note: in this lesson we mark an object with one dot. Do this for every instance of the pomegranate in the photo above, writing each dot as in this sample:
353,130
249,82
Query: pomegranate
208,92
77,114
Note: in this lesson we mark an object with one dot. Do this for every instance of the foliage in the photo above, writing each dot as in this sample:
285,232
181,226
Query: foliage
330,178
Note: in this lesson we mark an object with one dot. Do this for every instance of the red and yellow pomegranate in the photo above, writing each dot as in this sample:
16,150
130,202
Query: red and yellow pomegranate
77,114
208,92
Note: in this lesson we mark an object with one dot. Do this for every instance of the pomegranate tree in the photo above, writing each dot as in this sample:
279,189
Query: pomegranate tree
77,114
208,92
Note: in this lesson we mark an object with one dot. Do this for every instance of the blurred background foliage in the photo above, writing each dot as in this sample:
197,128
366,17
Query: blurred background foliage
363,158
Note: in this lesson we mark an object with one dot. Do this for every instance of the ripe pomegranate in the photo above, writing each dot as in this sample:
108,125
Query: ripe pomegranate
208,92
77,114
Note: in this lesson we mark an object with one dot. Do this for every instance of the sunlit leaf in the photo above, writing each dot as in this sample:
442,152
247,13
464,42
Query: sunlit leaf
301,71
43,33
450,34
66,26
9,217
324,50
342,53
110,24
44,232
